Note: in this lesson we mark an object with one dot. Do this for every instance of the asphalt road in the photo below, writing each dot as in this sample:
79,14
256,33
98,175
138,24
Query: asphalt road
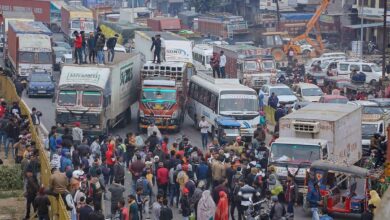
47,107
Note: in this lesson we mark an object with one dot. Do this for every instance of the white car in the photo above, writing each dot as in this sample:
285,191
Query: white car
373,72
66,59
283,92
307,92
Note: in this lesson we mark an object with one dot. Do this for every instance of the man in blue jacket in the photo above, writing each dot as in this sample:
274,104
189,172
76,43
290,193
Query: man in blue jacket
314,198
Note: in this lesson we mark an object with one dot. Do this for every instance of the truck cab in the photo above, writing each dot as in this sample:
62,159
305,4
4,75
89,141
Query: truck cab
255,71
295,155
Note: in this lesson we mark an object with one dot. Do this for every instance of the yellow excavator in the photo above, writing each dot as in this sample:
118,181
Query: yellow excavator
311,24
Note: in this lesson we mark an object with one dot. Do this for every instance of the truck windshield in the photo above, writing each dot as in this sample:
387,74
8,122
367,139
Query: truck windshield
294,152
67,98
44,58
26,57
158,95
268,65
91,99
251,65
368,130
238,103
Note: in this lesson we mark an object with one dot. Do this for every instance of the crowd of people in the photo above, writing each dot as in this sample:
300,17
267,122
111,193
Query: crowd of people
92,47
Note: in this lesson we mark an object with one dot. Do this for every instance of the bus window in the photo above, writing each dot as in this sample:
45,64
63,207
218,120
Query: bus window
196,91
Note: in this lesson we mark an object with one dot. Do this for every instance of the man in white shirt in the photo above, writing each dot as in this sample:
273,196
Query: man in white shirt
204,125
222,63
77,134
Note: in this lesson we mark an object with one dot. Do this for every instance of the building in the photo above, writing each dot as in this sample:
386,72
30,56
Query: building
371,11
171,7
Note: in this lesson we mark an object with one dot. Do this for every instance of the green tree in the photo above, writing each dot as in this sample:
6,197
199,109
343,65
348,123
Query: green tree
203,6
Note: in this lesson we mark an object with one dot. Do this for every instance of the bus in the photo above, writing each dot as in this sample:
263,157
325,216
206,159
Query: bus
201,55
212,97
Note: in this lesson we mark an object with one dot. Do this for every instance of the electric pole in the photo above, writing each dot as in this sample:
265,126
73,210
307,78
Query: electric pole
384,40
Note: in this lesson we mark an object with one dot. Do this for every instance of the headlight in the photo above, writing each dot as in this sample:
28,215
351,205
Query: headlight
175,114
141,114
97,126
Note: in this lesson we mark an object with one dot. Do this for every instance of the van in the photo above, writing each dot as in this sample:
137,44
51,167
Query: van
373,71
325,62
334,55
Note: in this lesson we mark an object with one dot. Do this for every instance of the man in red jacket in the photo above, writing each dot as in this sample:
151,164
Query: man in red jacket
162,178
110,160
78,44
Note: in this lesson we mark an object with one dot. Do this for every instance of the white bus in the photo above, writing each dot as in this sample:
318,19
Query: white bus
211,98
201,55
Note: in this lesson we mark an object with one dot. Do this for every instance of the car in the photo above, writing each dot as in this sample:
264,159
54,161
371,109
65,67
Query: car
66,59
40,84
369,107
283,92
58,53
307,92
62,44
338,99
372,71
382,102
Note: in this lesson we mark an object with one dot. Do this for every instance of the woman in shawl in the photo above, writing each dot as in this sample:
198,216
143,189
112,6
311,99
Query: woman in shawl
206,207
222,212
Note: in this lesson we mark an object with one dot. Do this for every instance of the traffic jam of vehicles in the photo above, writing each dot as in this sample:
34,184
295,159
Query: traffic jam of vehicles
301,116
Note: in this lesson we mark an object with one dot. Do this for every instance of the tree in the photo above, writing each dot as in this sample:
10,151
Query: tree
203,6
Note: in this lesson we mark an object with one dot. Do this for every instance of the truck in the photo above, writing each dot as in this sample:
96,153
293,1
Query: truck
173,46
318,131
248,63
29,48
40,8
76,18
12,16
98,97
163,94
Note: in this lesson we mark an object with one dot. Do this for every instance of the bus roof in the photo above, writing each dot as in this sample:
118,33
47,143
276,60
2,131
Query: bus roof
207,48
219,85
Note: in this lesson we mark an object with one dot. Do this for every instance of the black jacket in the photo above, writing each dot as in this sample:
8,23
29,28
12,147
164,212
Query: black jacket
156,44
111,42
166,213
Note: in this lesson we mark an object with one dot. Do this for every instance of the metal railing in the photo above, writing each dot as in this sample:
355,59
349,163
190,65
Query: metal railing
8,92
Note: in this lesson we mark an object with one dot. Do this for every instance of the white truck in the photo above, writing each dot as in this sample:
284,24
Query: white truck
317,131
98,97
173,47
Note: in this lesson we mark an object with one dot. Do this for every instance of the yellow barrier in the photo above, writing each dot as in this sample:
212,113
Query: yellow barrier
269,115
8,92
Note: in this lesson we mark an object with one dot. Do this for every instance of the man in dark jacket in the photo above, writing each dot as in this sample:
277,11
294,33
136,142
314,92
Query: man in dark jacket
32,188
185,203
273,101
152,141
86,210
42,203
314,198
119,171
111,43
165,211
117,191
157,49
91,43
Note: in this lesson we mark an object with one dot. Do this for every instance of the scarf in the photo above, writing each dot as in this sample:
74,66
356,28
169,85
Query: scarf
222,212
206,206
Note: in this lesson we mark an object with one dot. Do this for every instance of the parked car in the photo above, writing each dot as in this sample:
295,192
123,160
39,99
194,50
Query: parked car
307,92
40,84
62,44
372,71
58,53
338,99
283,92
66,59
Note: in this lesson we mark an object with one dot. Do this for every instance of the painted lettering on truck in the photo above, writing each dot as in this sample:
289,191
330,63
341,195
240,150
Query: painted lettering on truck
126,75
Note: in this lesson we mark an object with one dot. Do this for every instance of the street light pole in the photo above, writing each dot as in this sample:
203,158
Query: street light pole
384,40
361,29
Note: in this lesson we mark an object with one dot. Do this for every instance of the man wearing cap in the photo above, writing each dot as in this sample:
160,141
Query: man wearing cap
111,43
185,204
277,211
204,126
77,134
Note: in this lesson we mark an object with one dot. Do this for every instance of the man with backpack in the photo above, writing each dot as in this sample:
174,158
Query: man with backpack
111,43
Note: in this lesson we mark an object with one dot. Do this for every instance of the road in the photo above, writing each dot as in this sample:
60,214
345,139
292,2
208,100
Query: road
47,107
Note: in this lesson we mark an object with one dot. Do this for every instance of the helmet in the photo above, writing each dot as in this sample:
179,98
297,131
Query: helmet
77,174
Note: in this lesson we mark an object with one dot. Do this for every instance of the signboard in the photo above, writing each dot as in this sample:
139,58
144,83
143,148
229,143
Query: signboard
79,75
178,51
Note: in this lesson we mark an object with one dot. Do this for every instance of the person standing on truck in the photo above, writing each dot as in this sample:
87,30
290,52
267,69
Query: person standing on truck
83,47
91,43
111,43
78,44
214,63
100,42
222,63
204,126
156,44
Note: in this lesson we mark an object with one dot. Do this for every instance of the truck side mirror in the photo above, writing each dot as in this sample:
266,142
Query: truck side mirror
105,101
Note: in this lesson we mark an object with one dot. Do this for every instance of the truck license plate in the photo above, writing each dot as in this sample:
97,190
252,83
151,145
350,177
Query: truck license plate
41,91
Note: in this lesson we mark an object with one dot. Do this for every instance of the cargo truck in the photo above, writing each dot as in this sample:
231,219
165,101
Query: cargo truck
12,16
173,46
318,131
98,97
29,48
163,94
76,18
247,63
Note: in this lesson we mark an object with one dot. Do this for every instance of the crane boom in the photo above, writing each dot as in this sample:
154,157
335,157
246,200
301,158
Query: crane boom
311,24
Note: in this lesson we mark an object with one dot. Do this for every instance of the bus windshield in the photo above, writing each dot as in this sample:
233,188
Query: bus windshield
91,99
158,95
67,98
294,152
238,103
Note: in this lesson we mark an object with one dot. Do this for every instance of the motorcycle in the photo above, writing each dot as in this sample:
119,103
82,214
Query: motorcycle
261,213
